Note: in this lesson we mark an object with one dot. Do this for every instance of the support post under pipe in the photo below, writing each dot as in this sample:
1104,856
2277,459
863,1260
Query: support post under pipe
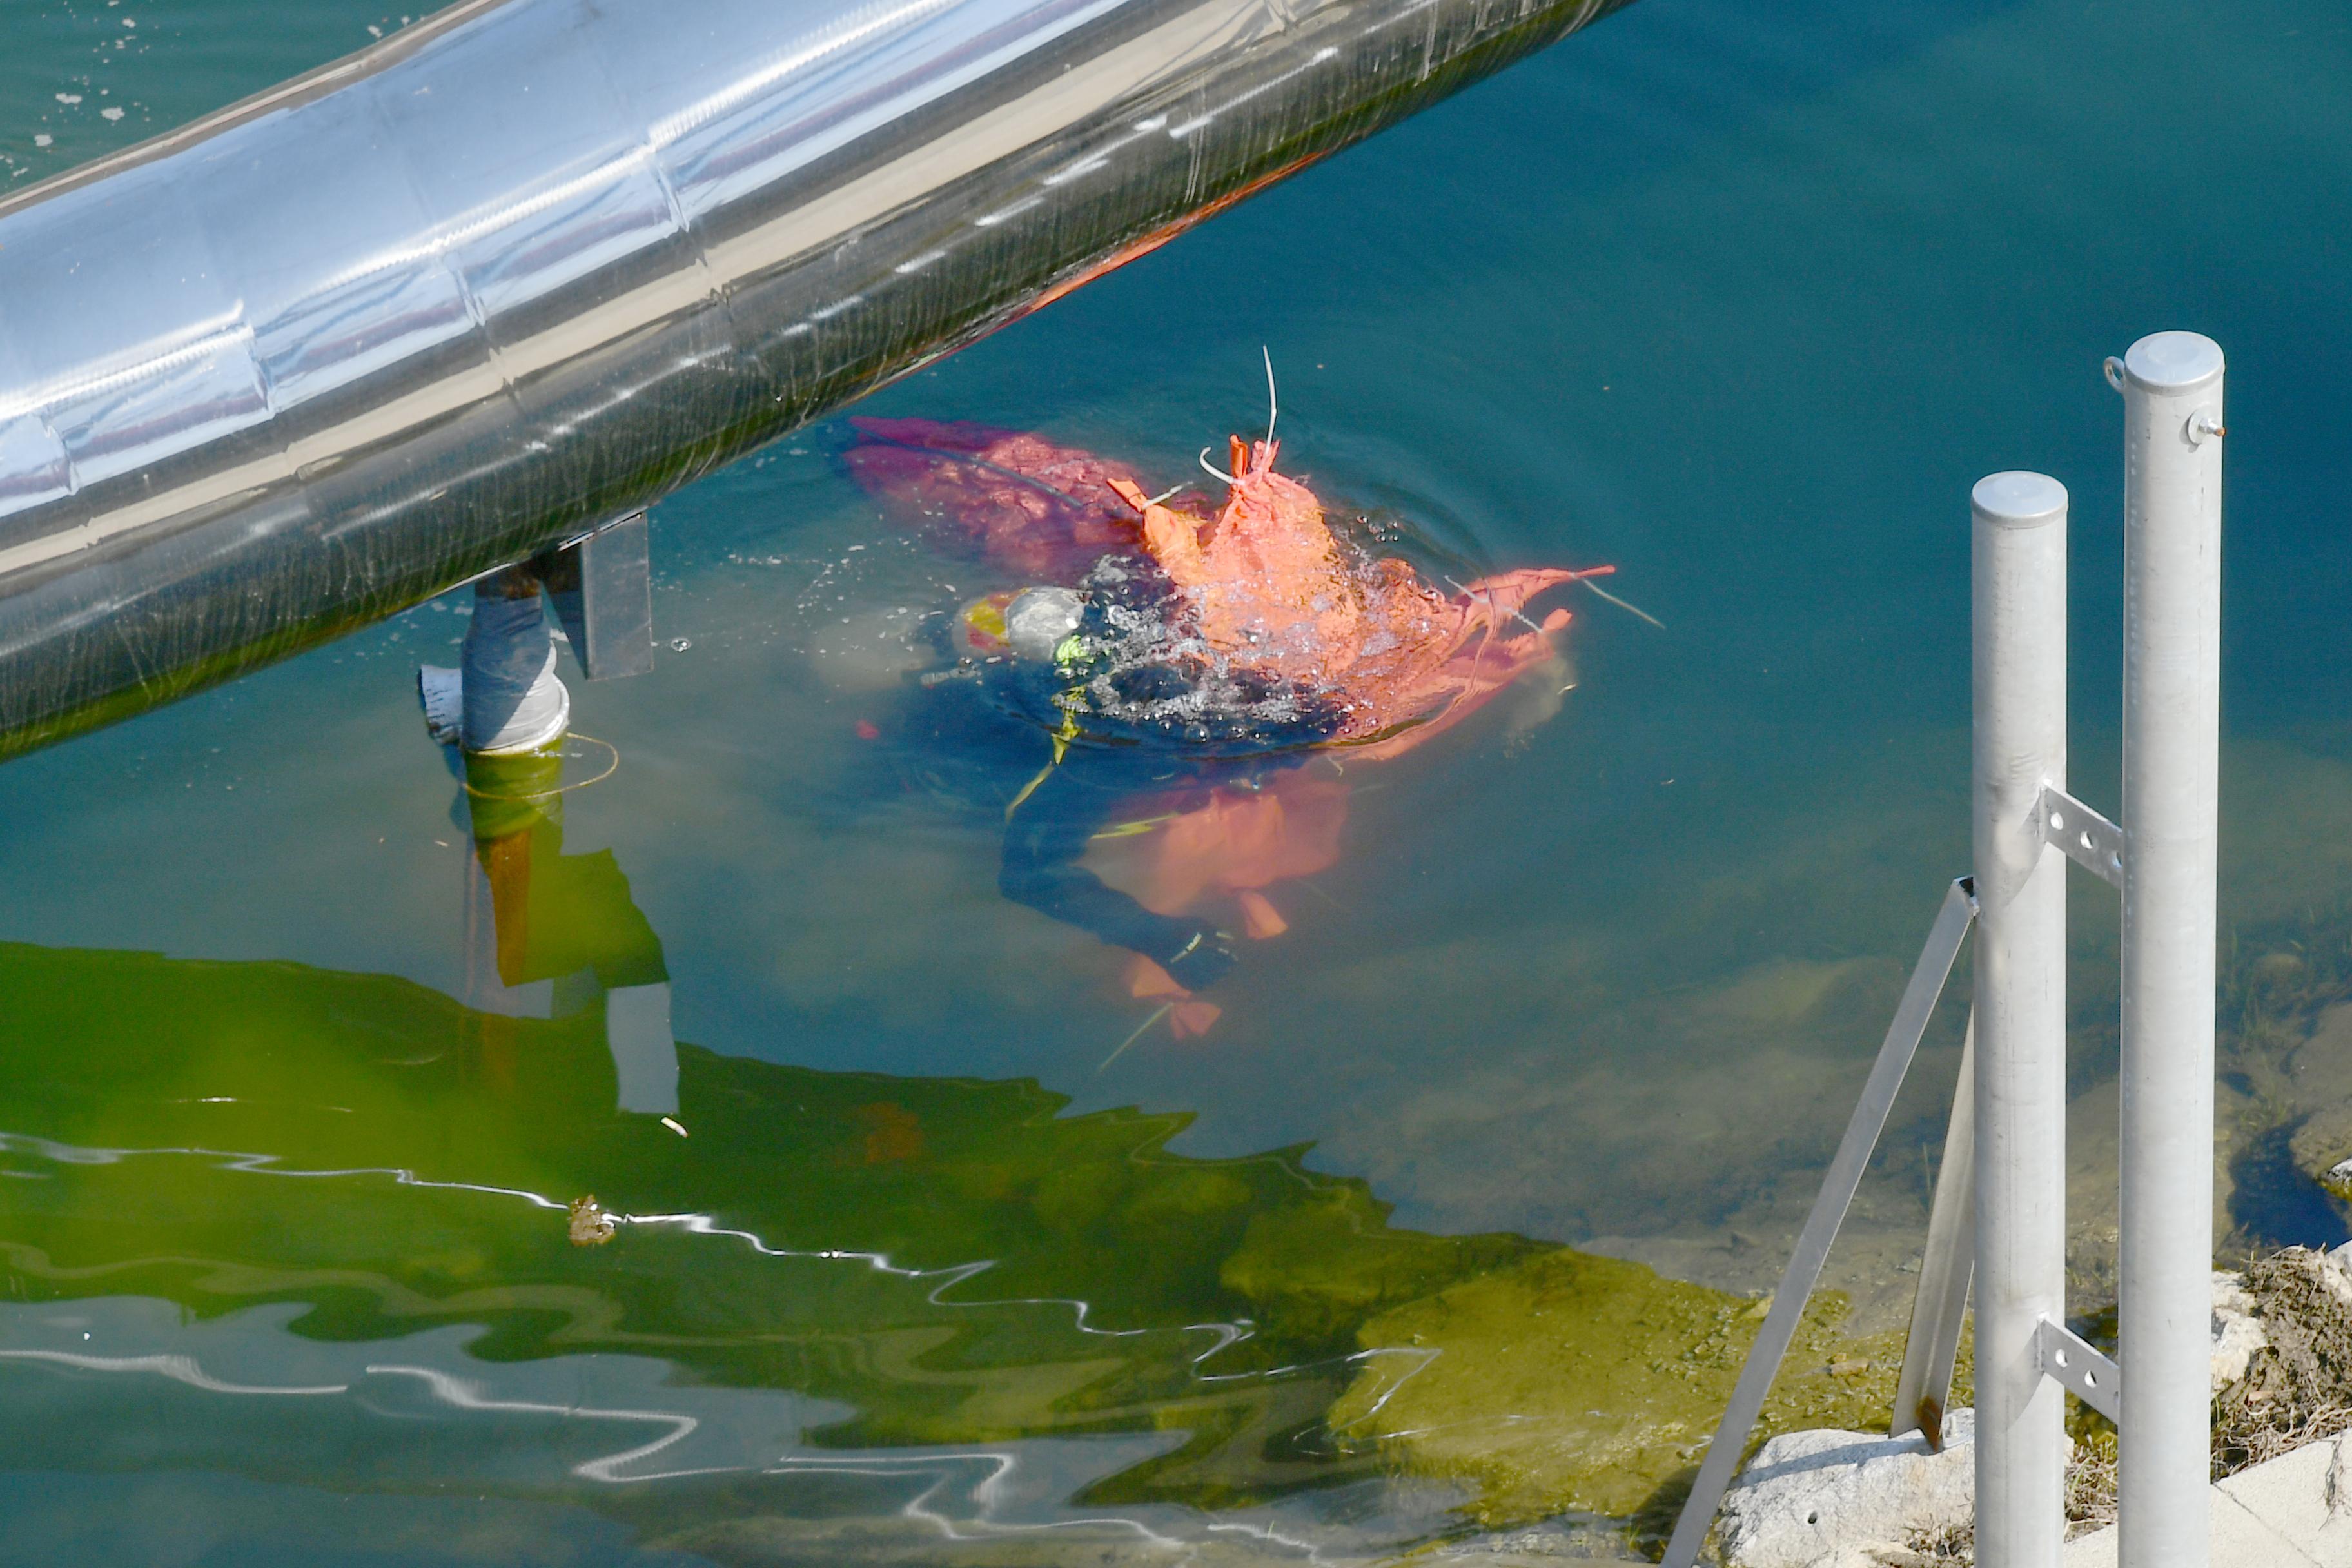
2171,384
2019,679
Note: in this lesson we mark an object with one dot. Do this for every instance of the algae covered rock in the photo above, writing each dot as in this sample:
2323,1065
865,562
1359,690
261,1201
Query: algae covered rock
2318,1087
1573,1382
1315,1269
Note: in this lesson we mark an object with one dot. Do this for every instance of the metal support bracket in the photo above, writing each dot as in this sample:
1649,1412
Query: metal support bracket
2080,1368
602,588
2088,839
1779,1331
1946,1264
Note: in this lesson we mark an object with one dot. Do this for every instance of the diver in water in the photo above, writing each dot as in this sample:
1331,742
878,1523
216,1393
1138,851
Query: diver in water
1131,704
1187,652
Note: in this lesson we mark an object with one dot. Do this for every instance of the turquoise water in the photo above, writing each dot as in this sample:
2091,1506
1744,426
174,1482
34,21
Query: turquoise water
1740,298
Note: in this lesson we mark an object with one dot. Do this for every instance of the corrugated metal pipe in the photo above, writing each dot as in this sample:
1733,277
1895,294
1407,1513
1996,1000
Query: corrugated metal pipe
530,264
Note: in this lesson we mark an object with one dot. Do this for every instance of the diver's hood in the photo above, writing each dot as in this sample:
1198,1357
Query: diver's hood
1032,624
1040,620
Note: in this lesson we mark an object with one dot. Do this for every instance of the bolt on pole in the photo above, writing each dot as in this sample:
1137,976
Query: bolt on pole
2019,594
2171,384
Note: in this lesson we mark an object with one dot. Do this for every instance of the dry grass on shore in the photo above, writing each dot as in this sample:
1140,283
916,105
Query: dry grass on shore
2297,1390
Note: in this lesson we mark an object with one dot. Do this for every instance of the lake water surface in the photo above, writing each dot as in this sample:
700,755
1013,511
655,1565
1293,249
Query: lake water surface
1738,297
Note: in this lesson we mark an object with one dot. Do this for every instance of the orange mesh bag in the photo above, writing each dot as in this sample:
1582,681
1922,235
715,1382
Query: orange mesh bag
1043,510
1270,585
1267,580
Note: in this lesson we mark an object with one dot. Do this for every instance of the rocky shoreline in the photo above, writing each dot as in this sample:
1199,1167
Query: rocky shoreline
2281,1366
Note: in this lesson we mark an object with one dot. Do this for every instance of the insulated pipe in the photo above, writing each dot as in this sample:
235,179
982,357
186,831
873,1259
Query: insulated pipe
2019,747
528,265
2171,385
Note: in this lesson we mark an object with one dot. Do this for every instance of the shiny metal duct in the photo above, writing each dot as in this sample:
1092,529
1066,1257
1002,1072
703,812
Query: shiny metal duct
530,264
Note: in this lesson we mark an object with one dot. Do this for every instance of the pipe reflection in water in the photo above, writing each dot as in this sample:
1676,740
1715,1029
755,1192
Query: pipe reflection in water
552,934
547,934
523,267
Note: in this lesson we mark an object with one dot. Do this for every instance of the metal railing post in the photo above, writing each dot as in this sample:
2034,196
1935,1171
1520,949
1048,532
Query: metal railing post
2019,594
2026,827
2171,384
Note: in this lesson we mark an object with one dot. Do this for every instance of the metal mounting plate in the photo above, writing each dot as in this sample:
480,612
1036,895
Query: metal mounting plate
602,588
2080,1368
2088,839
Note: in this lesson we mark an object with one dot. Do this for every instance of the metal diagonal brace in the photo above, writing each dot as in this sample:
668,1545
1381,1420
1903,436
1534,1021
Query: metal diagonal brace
2086,838
1946,1263
2080,1368
1780,1330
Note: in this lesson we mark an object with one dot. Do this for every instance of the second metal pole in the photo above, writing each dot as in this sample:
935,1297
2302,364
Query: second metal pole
2019,679
2171,385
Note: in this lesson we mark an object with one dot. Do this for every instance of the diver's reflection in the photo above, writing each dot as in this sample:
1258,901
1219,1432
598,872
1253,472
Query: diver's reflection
548,934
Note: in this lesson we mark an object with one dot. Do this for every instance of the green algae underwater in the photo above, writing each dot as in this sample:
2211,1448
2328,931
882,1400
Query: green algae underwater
951,1261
